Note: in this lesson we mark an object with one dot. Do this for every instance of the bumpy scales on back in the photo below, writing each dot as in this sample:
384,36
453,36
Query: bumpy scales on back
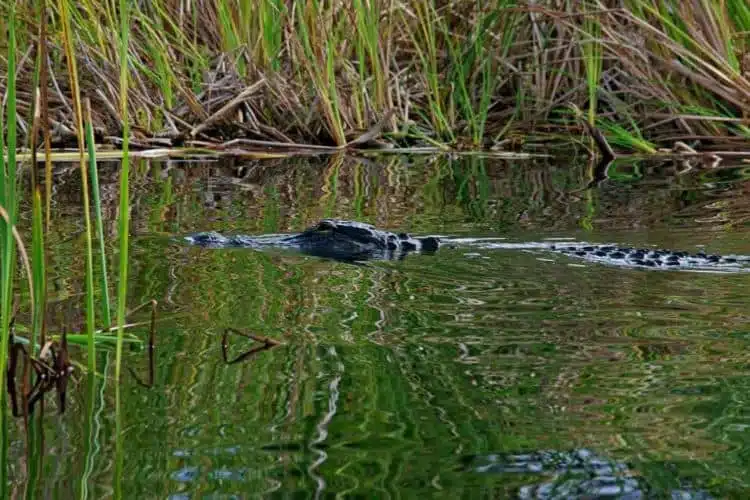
351,241
330,238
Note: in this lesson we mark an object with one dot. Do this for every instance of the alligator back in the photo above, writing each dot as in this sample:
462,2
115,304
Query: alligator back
331,238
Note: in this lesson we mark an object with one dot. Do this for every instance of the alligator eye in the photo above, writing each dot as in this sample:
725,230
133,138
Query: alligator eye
325,225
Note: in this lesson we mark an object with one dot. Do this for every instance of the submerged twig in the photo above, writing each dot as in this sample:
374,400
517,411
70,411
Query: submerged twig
52,368
266,343
151,346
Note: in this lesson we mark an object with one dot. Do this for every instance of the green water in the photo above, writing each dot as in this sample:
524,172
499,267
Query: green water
405,379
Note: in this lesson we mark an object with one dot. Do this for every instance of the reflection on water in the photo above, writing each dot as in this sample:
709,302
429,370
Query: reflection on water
391,374
575,474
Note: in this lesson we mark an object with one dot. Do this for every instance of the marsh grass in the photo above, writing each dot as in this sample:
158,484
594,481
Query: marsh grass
31,338
123,233
8,188
93,172
457,74
445,75
72,65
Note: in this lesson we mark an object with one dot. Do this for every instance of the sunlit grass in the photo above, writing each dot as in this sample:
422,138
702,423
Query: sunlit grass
104,282
457,74
592,59
70,57
627,138
124,237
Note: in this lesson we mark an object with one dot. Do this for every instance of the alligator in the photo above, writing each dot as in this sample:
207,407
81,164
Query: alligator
351,241
341,240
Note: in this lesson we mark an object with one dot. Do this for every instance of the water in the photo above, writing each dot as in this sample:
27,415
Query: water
474,372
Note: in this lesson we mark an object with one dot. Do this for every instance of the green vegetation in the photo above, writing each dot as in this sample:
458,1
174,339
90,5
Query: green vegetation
381,344
123,232
20,344
455,74
8,188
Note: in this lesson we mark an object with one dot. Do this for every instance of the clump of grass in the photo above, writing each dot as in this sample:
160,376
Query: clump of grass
70,57
457,73
468,73
8,188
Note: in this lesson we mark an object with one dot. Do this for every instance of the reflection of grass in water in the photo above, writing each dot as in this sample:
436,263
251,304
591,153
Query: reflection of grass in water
359,193
419,195
271,210
406,407
330,187
366,379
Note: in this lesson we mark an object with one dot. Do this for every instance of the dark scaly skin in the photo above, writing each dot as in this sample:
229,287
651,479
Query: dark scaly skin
641,257
351,241
331,238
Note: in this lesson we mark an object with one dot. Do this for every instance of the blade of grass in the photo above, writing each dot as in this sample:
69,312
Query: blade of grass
70,57
7,199
105,306
592,60
123,232
37,235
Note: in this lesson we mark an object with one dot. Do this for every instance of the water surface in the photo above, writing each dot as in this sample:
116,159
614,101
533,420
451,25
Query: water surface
469,373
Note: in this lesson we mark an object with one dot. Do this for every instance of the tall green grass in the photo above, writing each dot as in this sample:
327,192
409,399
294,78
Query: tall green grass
458,73
93,172
592,59
123,233
38,113
8,201
425,41
318,42
70,57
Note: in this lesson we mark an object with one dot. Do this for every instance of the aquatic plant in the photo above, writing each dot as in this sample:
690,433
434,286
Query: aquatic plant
455,74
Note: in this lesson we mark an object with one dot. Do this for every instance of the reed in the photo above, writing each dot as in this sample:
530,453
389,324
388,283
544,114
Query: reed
70,56
592,59
271,16
317,37
424,39
8,200
93,171
39,114
123,233
458,74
